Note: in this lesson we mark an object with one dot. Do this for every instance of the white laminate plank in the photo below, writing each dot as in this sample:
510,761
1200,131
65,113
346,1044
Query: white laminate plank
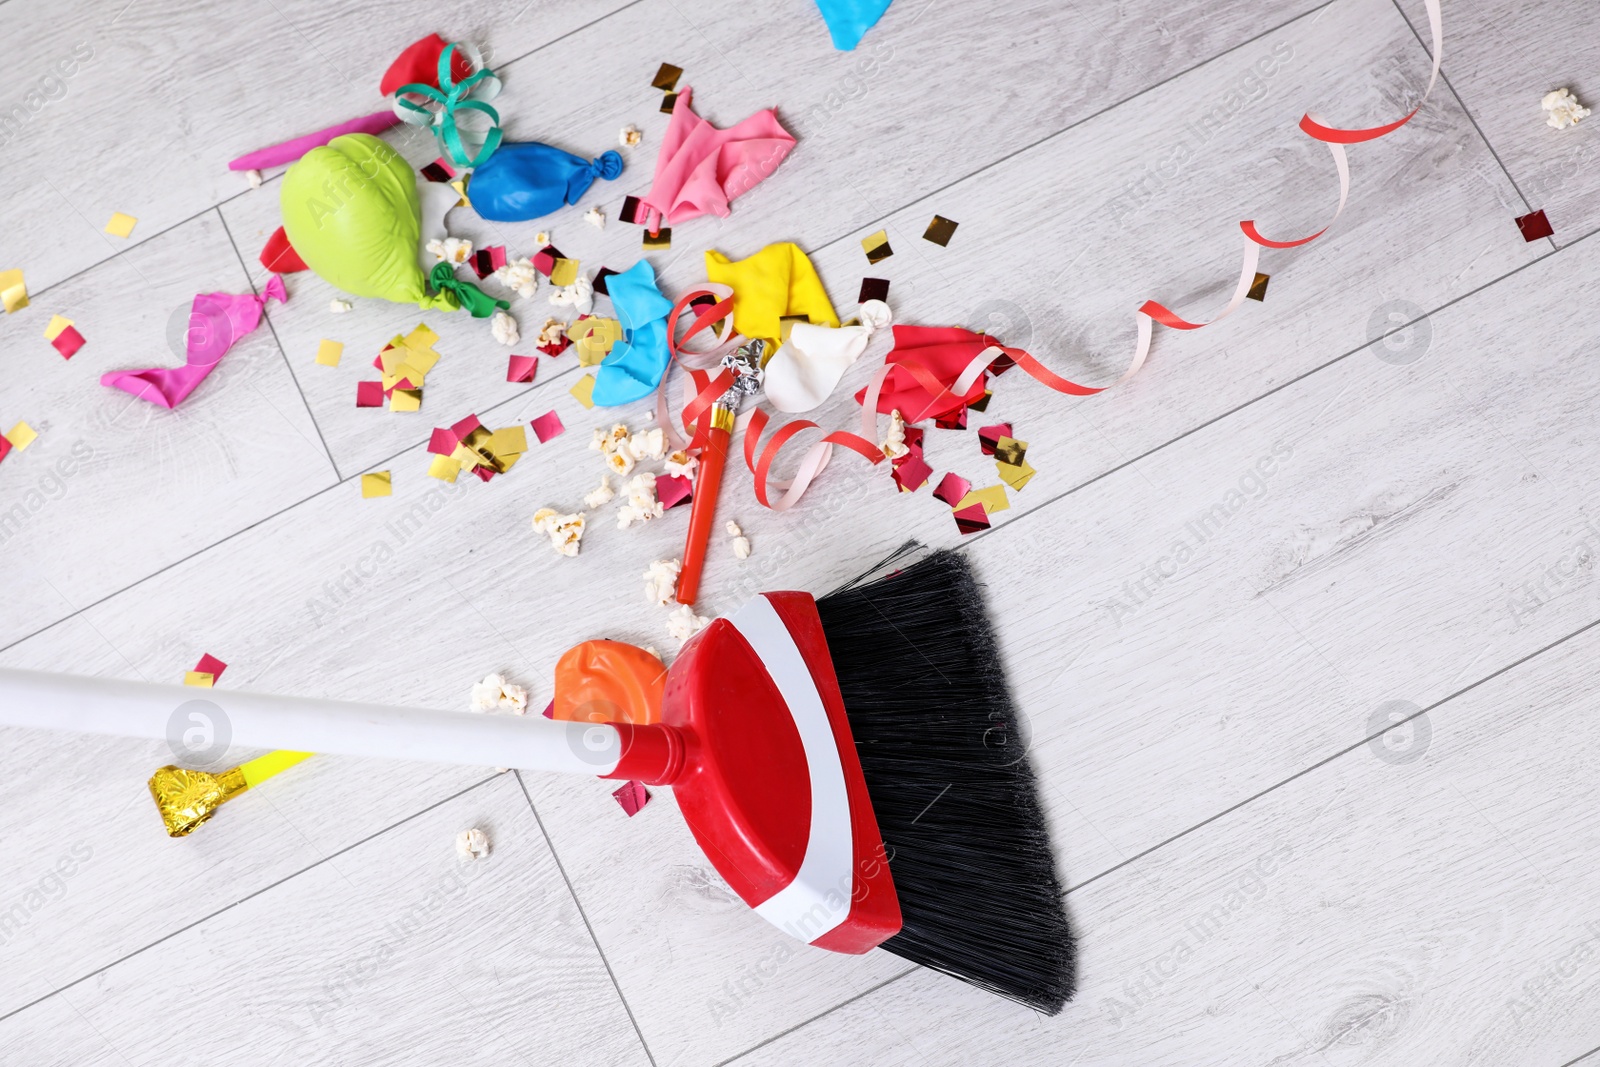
1554,47
156,101
395,952
1435,909
823,191
116,488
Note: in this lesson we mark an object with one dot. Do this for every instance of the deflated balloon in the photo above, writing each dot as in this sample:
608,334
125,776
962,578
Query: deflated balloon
350,210
526,180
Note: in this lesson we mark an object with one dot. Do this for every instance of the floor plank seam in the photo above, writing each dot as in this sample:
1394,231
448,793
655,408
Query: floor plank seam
326,451
1276,389
249,896
1462,104
807,1022
571,891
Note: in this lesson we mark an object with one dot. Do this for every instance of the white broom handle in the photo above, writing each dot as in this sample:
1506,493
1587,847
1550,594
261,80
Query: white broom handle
260,720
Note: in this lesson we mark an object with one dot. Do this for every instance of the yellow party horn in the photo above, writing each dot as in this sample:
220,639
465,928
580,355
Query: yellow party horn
187,798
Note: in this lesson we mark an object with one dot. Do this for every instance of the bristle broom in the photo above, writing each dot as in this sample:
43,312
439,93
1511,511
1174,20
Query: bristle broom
951,786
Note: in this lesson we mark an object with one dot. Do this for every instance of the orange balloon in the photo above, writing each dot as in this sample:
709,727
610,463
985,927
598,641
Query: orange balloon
609,681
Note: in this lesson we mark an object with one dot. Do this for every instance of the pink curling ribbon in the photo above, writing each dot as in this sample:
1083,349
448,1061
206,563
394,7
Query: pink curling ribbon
289,151
216,321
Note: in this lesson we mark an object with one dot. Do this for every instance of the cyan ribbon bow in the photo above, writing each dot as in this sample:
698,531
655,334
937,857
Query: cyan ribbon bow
481,304
469,95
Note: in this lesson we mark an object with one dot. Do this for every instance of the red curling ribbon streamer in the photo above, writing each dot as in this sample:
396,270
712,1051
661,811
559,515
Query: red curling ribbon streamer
942,397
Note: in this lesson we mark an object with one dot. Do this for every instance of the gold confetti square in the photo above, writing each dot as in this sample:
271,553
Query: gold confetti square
420,338
22,435
659,241
510,441
584,390
13,290
376,484
121,225
405,400
57,324
940,230
460,186
564,272
329,352
666,78
992,498
1258,287
877,247
1010,450
202,679
668,102
1015,475
444,468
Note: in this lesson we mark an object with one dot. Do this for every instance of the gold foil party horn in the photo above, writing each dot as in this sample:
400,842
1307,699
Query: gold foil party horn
188,798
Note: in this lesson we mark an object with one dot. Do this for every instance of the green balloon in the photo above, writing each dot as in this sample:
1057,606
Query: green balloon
350,210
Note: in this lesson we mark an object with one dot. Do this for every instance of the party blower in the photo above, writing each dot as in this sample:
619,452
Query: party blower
850,765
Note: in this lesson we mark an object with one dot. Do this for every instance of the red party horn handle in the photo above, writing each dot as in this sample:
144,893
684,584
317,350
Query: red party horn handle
712,459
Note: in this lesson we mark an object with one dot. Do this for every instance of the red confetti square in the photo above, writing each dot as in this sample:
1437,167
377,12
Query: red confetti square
914,439
544,260
952,489
557,348
68,342
957,421
439,170
911,473
633,796
522,368
211,665
989,436
443,442
369,394
673,490
1534,226
971,519
465,427
549,711
547,426
487,260
599,283
630,209
5,448
483,473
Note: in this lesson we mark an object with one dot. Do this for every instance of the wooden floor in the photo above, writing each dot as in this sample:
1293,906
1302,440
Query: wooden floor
1259,873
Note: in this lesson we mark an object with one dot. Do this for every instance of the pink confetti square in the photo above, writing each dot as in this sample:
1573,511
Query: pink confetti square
522,368
549,710
988,436
971,519
544,260
369,394
211,665
465,427
5,448
68,342
483,473
673,490
633,796
547,426
443,442
952,488
911,473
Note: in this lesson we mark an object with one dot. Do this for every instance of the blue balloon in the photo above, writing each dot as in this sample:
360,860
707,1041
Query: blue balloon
523,181
634,366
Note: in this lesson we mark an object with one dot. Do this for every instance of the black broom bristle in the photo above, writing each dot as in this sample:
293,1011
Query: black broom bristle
951,786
